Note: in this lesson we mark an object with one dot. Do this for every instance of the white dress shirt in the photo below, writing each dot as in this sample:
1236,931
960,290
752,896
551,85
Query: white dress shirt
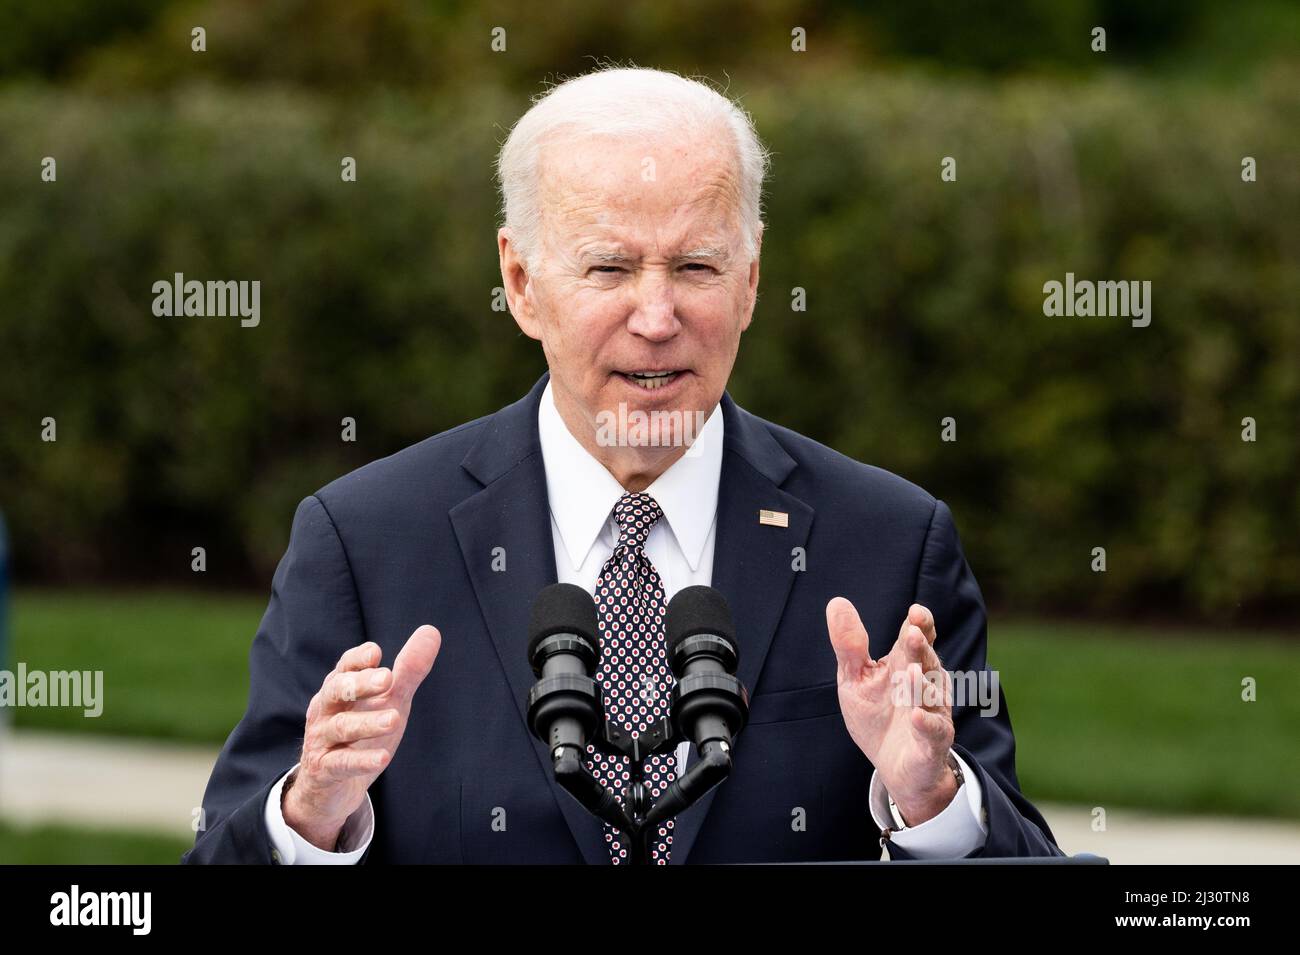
582,495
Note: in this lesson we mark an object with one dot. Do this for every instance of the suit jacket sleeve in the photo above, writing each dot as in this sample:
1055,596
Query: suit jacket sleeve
946,585
314,615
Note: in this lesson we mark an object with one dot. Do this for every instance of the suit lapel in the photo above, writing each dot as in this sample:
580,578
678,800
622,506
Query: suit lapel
752,564
512,512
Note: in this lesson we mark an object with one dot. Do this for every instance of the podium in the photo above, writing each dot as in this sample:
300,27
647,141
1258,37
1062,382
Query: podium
1081,858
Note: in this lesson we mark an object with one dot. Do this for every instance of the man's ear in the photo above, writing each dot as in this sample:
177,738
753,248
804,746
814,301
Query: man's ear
515,279
753,278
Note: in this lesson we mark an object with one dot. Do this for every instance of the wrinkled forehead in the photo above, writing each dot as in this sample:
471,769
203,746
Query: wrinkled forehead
607,183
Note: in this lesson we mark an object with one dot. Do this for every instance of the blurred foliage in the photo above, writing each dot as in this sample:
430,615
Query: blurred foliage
342,45
924,297
50,38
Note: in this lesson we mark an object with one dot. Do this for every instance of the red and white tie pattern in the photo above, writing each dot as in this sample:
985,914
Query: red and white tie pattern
633,673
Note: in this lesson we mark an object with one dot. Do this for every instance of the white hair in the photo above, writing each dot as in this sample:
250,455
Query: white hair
623,100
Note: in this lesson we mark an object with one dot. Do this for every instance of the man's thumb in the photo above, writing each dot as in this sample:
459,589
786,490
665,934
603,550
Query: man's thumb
415,660
848,635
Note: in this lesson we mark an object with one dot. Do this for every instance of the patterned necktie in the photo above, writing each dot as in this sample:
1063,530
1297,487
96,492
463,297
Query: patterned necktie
633,673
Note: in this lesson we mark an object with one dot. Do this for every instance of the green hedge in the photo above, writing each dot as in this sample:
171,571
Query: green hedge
924,301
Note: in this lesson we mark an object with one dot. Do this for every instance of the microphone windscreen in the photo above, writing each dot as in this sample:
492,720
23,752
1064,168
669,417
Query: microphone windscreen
698,610
562,608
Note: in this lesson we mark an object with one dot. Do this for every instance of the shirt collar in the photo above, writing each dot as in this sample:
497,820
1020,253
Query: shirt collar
583,493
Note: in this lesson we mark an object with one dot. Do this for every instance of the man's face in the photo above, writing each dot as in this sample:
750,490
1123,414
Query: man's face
641,269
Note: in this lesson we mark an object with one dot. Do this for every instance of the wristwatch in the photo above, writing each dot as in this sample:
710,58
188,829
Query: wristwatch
898,816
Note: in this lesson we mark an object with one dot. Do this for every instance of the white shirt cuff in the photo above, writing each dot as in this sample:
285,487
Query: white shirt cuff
293,849
956,832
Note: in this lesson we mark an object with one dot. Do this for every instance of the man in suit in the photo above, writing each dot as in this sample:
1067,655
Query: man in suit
630,251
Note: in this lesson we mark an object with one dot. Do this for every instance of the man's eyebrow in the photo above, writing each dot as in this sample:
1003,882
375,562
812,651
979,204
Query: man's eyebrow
606,255
704,252
620,255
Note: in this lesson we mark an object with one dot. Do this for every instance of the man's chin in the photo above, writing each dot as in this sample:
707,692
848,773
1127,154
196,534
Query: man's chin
651,422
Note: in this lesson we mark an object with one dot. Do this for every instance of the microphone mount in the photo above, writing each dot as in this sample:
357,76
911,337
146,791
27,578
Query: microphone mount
637,817
709,706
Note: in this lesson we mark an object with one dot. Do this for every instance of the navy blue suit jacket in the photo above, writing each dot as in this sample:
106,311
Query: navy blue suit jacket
410,539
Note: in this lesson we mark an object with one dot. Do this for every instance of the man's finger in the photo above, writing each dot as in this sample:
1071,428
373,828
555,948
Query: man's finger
359,658
918,615
341,764
314,705
354,659
917,649
849,637
415,661
938,695
356,685
353,726
931,728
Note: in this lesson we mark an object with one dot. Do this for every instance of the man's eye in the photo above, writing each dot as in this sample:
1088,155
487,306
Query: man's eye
699,266
606,269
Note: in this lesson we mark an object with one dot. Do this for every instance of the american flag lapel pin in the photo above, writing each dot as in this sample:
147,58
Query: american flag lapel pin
774,518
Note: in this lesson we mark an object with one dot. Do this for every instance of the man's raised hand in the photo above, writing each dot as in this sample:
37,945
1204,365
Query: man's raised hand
898,709
354,725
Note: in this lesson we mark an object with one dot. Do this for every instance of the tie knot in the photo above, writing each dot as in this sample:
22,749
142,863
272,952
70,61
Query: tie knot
635,514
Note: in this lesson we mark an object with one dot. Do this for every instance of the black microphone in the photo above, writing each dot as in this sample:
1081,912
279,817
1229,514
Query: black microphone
564,707
710,705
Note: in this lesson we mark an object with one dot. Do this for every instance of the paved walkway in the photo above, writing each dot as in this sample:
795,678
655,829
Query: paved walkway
1136,836
102,782
134,784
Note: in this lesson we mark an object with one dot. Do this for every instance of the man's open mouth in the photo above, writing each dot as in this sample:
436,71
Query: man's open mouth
650,380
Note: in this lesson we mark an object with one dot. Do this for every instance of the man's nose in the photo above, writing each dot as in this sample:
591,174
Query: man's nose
654,315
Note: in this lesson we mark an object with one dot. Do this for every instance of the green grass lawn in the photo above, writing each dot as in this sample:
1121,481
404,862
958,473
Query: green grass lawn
70,845
1105,715
175,663
1113,715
